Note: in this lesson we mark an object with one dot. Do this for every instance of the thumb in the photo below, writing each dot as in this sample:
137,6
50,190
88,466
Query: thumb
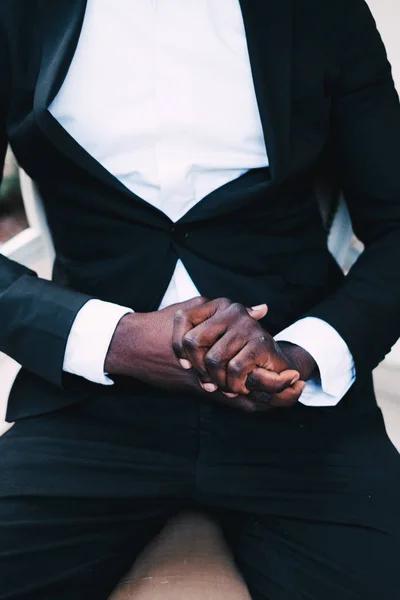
258,312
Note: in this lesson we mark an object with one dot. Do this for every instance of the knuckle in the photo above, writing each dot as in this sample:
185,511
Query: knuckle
235,368
238,308
262,337
212,361
259,338
224,302
180,315
190,341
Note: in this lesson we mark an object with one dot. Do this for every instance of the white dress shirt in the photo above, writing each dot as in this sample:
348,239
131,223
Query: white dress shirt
161,94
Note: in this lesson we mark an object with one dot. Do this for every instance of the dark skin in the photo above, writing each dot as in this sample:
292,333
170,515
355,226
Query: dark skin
216,348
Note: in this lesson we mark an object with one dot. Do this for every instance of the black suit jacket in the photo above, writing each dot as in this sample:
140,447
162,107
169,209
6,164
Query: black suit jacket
325,95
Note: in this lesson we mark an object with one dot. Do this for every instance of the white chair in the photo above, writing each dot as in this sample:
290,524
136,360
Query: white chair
33,245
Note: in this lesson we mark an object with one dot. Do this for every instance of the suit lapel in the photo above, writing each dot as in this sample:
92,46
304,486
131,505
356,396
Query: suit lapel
60,27
268,25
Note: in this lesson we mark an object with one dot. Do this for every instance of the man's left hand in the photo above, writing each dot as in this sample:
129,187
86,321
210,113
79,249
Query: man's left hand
225,344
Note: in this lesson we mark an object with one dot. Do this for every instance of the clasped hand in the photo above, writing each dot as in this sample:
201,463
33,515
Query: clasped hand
224,343
215,346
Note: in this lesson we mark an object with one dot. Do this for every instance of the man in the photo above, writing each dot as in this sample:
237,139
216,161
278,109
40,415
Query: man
176,146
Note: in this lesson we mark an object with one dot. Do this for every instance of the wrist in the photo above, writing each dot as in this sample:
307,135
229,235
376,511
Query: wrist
123,350
300,360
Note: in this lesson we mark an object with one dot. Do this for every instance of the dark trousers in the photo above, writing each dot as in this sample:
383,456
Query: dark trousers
308,499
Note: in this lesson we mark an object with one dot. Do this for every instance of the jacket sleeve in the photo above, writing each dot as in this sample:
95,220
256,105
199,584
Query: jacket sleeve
35,315
365,138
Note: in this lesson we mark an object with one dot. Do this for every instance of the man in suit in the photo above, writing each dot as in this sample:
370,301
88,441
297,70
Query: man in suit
176,146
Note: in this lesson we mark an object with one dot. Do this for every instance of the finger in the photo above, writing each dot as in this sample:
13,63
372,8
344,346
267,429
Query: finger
277,361
253,355
260,351
261,379
288,397
258,312
285,399
208,386
197,344
185,306
185,319
219,356
231,360
210,345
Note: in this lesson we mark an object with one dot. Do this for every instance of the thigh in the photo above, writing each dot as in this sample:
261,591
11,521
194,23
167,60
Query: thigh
290,559
69,548
312,503
82,491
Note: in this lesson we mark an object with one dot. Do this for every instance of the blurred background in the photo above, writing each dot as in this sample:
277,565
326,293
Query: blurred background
22,238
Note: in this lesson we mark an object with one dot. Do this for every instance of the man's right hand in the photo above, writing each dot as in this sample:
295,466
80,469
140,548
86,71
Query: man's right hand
142,348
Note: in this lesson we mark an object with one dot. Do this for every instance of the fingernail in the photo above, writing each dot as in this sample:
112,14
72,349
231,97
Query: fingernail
230,395
295,380
259,307
209,387
185,364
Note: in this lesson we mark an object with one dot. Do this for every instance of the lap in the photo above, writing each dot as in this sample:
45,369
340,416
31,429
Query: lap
308,502
300,463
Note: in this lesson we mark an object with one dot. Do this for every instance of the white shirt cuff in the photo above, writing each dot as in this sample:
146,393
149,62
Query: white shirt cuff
332,355
90,338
